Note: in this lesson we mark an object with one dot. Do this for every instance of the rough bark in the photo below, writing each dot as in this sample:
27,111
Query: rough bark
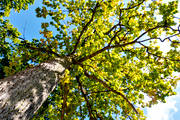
21,95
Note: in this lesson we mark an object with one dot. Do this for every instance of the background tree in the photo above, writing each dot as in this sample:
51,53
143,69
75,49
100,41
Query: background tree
100,56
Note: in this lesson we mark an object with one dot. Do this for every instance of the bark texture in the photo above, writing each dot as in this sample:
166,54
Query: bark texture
21,95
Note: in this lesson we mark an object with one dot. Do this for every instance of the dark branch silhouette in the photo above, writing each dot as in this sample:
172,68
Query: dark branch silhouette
147,50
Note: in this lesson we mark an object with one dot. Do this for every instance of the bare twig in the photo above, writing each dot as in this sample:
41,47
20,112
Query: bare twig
147,49
131,7
162,40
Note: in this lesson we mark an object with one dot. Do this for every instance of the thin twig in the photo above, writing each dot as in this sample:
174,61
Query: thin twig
131,7
37,48
147,49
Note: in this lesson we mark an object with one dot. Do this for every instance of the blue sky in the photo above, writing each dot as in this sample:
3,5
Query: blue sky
29,25
27,22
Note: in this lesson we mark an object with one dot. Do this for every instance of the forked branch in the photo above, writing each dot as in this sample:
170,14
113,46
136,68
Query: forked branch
111,89
114,46
155,55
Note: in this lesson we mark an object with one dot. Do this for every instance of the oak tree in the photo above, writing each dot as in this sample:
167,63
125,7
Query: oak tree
96,59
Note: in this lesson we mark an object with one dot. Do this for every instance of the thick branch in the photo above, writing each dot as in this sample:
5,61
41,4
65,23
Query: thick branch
91,55
109,88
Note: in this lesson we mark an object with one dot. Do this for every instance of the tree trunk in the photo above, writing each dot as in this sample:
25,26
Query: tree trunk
21,95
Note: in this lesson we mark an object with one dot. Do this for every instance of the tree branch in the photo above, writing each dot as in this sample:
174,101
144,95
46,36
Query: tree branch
36,48
85,28
114,46
146,32
112,28
64,100
113,37
91,55
147,49
162,40
99,91
86,99
111,89
42,49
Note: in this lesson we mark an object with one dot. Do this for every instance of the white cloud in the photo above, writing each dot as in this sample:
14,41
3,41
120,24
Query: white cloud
164,111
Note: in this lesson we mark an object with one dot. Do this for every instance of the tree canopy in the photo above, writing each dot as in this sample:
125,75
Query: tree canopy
112,45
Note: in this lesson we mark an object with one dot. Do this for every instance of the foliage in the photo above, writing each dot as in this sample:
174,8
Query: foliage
17,5
116,61
9,60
